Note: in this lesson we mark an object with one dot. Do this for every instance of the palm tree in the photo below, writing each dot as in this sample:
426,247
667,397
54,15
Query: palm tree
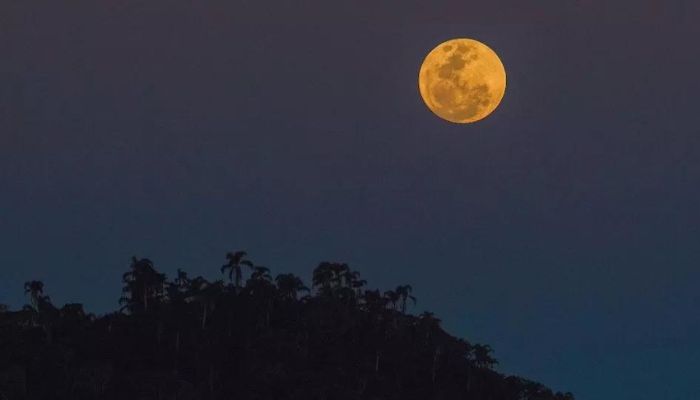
404,293
205,294
348,276
181,281
331,278
41,310
482,356
35,289
358,284
341,272
323,277
352,280
234,263
142,285
289,286
374,301
263,292
392,297
260,283
261,273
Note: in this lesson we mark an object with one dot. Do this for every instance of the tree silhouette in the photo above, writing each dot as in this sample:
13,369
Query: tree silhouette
289,286
482,356
403,292
143,286
392,298
35,289
205,294
325,277
234,262
195,339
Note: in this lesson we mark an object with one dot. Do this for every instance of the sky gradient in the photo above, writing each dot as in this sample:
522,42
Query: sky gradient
562,230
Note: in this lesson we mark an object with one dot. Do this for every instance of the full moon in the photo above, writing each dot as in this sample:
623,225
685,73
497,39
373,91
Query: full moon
462,80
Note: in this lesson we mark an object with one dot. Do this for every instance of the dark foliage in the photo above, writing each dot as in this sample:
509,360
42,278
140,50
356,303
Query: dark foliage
267,338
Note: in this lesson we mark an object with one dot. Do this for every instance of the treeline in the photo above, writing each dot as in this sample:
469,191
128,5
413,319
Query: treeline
254,338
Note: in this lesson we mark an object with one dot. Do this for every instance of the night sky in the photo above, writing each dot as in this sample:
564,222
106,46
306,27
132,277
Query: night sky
562,230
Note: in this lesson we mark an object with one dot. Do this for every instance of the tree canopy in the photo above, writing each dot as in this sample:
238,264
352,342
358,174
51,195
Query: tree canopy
262,338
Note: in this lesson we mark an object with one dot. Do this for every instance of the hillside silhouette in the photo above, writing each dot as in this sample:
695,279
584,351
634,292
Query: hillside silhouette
261,337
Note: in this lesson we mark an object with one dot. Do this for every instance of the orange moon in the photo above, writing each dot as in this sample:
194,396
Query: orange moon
462,81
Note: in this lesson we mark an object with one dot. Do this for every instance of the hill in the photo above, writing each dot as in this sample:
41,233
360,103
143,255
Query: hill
262,338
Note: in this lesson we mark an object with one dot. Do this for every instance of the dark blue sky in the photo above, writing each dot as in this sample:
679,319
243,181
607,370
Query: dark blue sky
562,230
